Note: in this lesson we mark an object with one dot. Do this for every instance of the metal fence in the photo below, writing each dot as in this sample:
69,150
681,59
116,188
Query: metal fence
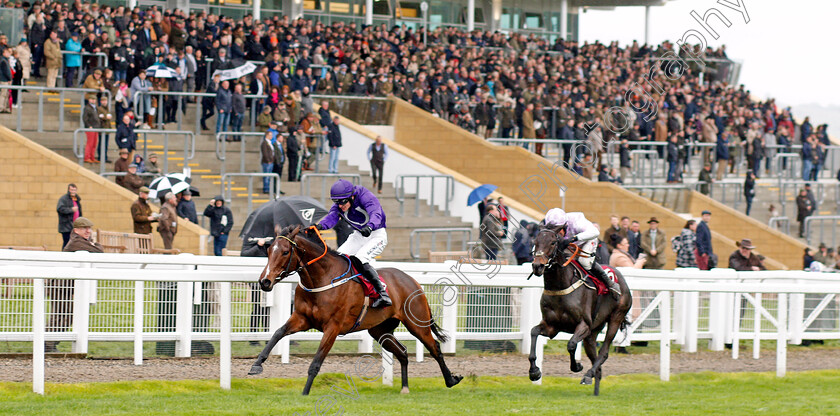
780,223
375,111
42,91
324,196
222,144
449,192
228,190
824,226
181,103
189,145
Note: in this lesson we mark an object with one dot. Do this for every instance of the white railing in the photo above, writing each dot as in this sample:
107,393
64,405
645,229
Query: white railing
671,303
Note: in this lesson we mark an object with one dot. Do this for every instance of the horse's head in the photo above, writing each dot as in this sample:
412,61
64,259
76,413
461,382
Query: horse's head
283,258
548,248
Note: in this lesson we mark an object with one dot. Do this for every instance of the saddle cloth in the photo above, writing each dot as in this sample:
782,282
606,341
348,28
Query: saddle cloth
599,285
367,287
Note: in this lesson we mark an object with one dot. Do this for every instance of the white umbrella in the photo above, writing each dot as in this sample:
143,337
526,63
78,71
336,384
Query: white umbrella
235,73
160,71
174,182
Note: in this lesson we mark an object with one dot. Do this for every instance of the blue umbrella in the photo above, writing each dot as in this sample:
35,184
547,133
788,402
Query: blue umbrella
480,193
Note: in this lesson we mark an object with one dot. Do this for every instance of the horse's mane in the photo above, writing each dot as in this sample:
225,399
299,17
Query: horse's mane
554,228
309,235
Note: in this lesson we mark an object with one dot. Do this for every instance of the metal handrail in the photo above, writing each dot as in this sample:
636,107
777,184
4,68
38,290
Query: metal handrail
227,191
449,193
775,222
61,91
795,158
198,106
346,97
639,164
189,145
434,231
784,184
221,147
304,182
102,61
319,148
724,185
831,227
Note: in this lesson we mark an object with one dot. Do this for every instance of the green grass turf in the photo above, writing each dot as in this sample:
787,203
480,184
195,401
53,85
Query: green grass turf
812,392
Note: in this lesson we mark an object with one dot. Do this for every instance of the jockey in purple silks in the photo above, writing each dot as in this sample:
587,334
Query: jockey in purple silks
584,232
362,210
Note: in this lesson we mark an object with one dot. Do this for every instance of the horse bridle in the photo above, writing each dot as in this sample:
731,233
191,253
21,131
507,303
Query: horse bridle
550,260
301,265
558,247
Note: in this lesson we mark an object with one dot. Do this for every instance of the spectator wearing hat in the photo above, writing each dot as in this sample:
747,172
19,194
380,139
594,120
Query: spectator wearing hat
141,213
264,119
703,242
94,82
653,245
73,60
221,222
132,181
186,207
69,208
743,259
267,159
823,256
121,165
54,58
168,222
106,120
60,291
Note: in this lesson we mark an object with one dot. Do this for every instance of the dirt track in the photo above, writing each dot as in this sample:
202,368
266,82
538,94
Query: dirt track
68,370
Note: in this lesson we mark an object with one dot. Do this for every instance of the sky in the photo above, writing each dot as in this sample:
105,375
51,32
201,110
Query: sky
788,49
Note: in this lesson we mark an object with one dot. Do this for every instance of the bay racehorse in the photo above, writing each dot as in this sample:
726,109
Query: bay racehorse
323,301
570,304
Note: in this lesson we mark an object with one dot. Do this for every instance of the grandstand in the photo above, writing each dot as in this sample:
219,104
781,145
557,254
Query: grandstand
492,71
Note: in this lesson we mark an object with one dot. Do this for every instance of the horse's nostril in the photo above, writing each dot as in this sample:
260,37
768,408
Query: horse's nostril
265,284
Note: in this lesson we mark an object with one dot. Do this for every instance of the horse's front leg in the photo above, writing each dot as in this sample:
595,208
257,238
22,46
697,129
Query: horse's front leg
534,372
604,352
296,323
330,334
581,332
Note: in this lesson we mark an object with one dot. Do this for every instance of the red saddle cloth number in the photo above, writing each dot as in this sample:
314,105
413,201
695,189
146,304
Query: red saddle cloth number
599,285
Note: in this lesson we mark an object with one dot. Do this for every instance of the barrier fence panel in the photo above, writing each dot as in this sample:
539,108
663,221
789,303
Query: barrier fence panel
449,192
228,189
644,165
189,145
41,91
325,193
781,223
795,185
788,165
414,245
101,62
728,197
363,110
184,298
222,144
822,229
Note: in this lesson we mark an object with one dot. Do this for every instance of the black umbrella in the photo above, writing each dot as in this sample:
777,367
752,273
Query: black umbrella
283,212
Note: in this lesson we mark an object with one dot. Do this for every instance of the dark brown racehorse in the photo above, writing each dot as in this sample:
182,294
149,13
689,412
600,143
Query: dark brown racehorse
336,309
569,305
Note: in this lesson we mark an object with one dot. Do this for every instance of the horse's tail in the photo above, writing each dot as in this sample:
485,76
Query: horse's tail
625,323
439,332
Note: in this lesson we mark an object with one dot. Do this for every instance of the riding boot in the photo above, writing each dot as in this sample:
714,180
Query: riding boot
373,277
599,272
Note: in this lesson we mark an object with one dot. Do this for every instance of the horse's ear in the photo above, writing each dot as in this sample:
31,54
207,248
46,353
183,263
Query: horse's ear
277,230
294,232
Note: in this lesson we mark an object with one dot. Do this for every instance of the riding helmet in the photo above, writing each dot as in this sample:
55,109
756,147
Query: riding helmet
341,189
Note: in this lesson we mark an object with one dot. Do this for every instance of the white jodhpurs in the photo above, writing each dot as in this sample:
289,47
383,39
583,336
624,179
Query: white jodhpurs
365,248
587,252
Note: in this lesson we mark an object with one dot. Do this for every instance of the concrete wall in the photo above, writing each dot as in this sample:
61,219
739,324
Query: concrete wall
32,178
530,182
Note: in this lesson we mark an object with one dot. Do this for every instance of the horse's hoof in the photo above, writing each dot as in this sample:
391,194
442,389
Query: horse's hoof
586,380
578,368
535,374
454,381
255,369
404,390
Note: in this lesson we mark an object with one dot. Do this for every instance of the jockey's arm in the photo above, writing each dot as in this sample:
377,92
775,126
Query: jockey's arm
329,221
374,210
585,229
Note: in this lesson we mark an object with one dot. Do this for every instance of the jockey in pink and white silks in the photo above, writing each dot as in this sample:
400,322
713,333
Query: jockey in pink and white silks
581,230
